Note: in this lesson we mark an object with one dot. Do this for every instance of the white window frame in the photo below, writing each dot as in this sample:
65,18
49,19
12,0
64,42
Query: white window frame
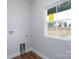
46,25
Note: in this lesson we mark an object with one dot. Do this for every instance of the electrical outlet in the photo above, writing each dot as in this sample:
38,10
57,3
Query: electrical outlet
25,35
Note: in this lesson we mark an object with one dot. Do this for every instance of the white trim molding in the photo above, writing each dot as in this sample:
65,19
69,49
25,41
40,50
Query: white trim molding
27,50
17,54
40,54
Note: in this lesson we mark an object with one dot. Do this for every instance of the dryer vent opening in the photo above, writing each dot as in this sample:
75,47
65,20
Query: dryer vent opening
22,48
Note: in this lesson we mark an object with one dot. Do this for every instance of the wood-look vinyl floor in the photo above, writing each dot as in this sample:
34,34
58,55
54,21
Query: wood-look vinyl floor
28,55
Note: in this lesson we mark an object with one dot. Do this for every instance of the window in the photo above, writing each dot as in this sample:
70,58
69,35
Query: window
59,20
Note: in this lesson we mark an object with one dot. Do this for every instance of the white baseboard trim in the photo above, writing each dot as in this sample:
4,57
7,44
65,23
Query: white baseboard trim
17,54
30,49
40,54
13,55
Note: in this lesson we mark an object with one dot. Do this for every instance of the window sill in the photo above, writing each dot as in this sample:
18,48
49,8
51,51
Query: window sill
60,38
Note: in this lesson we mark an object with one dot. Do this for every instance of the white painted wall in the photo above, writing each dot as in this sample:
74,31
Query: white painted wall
19,20
51,47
